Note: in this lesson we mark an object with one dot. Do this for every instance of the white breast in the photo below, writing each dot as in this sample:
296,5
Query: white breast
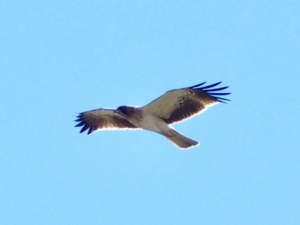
152,123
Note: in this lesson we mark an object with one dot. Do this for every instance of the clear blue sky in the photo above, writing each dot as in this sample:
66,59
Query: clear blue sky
59,58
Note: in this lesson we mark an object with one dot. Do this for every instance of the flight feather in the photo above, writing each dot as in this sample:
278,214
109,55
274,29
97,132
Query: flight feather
102,119
181,104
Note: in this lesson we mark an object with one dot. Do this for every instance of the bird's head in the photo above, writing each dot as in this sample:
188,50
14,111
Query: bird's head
121,109
125,110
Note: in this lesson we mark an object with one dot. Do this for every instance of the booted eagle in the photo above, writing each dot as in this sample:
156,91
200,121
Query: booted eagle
172,107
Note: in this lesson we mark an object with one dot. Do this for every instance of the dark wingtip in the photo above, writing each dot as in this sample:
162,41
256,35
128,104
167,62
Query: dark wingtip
219,93
91,130
84,128
225,99
212,85
197,85
213,92
82,123
218,89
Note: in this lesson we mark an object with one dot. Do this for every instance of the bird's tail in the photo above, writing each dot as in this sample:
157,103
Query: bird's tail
181,141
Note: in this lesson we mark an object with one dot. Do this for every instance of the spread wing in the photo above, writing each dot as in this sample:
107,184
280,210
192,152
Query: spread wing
102,119
181,104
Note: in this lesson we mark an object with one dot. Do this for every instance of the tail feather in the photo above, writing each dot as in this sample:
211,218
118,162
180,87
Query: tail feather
180,140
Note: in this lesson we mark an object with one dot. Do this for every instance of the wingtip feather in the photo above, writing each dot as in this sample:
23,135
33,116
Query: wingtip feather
84,128
218,89
214,92
219,93
212,85
225,99
197,85
90,131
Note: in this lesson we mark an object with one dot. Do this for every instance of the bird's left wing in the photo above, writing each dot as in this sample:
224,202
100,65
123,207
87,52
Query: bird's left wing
102,119
181,104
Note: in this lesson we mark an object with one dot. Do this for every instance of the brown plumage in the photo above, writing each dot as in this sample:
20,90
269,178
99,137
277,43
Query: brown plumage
172,107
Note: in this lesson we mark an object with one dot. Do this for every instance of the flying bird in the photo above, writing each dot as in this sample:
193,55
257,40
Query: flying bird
172,107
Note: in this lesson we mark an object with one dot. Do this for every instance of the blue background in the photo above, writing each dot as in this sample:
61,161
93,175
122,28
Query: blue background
60,58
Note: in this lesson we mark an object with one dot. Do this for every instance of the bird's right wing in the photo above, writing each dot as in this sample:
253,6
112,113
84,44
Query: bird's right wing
180,104
99,119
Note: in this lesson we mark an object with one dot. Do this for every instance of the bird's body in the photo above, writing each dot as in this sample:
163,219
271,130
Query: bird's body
142,119
174,106
139,117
